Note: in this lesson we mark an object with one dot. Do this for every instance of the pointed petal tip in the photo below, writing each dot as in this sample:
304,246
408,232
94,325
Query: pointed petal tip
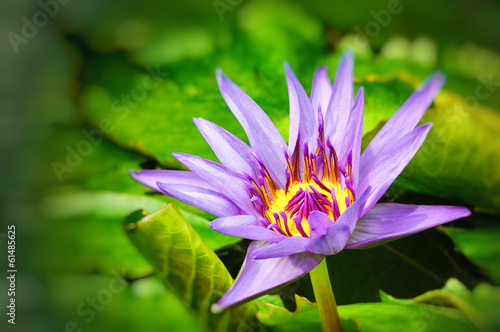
386,222
348,52
360,98
435,81
422,130
463,212
468,213
216,309
136,174
425,127
347,55
346,65
220,77
438,75
200,122
181,155
288,70
321,74
178,156
322,68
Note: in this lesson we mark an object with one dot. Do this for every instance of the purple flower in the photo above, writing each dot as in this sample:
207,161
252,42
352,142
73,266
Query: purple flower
310,198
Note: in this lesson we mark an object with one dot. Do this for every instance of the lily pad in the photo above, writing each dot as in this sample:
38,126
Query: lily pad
82,215
305,317
479,306
366,317
481,246
98,303
453,307
404,268
460,157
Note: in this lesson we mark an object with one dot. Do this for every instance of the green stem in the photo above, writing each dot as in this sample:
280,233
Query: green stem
327,306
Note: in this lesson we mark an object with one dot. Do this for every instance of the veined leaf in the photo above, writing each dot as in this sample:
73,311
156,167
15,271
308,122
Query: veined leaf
305,317
460,157
186,265
380,316
481,247
479,306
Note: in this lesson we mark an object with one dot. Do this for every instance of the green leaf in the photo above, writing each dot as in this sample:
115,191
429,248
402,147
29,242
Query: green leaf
82,158
158,123
462,139
95,170
480,306
481,247
295,37
107,302
186,265
384,297
305,317
460,157
89,236
382,99
400,317
403,268
365,317
152,113
214,240
458,160
83,229
98,204
95,20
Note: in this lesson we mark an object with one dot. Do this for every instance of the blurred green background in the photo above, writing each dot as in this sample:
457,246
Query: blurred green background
91,89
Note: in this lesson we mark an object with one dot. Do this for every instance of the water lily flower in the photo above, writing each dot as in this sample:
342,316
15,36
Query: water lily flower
314,196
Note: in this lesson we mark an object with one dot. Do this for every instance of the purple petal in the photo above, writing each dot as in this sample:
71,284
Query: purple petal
332,242
205,199
389,221
319,223
341,100
337,234
260,276
289,246
149,178
222,179
264,138
404,120
303,119
321,90
391,163
229,149
353,136
248,227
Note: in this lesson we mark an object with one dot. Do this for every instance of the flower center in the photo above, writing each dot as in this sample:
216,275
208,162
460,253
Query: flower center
323,187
